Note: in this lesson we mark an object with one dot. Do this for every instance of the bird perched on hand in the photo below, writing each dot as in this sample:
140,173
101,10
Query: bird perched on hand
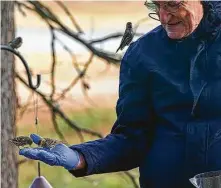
49,142
127,37
21,141
15,43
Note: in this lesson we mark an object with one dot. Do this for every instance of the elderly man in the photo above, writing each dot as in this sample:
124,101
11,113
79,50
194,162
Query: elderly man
169,107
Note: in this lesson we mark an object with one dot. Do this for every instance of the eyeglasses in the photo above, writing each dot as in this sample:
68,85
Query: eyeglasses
169,6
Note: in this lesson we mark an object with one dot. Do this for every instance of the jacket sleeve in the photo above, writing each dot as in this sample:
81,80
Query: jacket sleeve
127,143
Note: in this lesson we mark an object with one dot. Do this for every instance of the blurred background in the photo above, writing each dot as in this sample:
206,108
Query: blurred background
77,81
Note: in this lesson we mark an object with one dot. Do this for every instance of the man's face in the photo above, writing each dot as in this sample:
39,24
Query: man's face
179,18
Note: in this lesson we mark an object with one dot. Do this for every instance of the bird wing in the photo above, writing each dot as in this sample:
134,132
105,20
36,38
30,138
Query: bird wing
128,36
125,36
17,142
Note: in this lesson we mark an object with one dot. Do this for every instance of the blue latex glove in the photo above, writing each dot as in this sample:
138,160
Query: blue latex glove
60,155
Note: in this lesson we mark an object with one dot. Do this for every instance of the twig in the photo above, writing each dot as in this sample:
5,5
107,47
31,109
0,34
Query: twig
53,65
110,37
59,133
47,14
72,124
61,4
23,109
76,79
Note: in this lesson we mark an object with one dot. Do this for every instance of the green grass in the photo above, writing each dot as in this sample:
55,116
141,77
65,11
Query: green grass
96,119
100,120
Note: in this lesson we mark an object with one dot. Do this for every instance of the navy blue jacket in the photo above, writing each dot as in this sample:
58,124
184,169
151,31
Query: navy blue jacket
169,108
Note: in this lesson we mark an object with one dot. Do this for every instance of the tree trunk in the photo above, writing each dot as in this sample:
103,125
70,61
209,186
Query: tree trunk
9,168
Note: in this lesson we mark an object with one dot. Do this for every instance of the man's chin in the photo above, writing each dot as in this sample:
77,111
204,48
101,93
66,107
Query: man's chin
175,35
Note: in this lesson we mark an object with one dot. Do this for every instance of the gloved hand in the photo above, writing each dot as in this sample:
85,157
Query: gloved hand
60,155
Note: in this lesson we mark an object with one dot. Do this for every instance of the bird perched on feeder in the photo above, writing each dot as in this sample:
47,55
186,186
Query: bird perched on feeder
21,141
49,142
127,37
15,43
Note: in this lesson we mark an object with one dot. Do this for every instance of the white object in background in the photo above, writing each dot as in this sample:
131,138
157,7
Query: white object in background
207,180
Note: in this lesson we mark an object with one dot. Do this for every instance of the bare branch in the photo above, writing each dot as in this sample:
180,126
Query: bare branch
24,107
53,61
85,87
20,9
19,3
76,79
61,4
108,56
73,56
59,133
56,25
47,14
72,124
110,37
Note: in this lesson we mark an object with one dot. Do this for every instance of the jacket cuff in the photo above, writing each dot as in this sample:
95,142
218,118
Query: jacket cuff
79,172
88,170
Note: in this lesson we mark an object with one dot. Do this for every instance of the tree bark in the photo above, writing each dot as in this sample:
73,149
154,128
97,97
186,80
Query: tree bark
9,168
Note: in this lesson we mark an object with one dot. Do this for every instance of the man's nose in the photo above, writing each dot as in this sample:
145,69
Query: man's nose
164,16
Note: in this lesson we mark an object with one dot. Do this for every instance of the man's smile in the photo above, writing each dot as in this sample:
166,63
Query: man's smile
175,23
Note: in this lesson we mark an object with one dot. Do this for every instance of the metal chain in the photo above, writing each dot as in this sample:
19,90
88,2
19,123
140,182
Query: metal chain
36,124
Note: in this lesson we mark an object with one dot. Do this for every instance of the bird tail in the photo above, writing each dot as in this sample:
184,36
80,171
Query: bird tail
118,49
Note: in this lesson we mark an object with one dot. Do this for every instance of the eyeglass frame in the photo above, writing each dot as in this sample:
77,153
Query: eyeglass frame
164,5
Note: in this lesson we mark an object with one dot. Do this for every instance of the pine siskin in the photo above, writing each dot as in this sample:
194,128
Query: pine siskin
127,37
16,43
49,142
21,141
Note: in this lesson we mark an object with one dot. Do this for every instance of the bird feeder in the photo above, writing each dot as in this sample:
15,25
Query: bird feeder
40,181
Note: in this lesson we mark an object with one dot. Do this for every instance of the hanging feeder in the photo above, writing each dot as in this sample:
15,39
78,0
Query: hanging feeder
13,45
40,181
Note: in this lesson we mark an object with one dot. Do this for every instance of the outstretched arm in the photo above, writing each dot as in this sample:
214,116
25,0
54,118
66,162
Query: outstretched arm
125,146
